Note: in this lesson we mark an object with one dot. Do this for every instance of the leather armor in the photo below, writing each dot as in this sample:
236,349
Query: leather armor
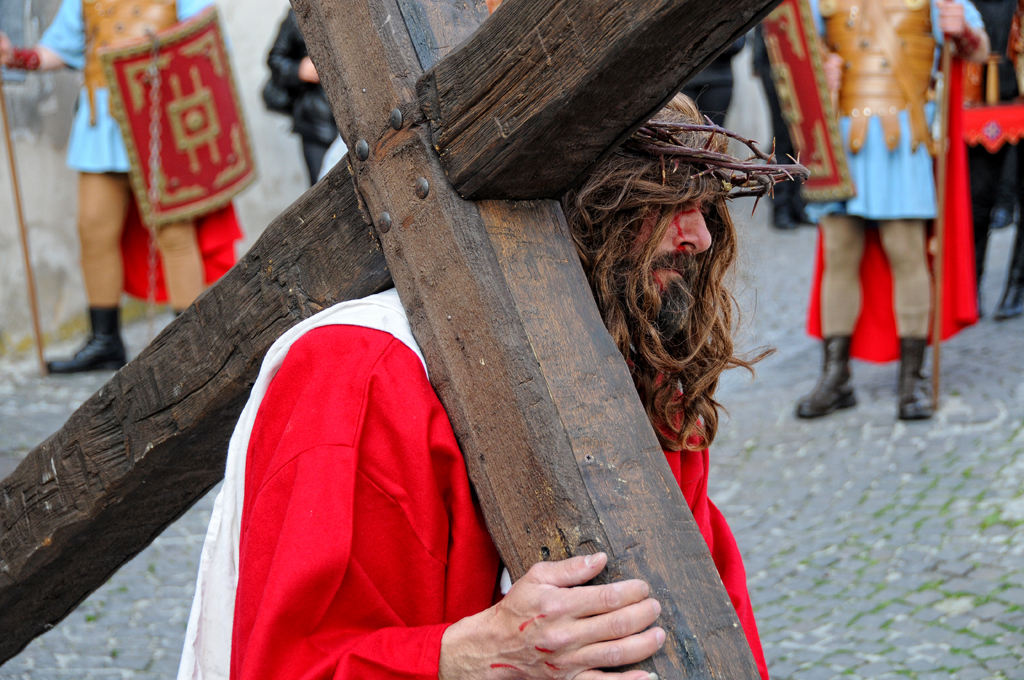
109,22
888,52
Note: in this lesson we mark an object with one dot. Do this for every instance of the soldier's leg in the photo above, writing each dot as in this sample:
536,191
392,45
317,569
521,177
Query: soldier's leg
843,237
840,283
102,205
904,244
103,201
183,264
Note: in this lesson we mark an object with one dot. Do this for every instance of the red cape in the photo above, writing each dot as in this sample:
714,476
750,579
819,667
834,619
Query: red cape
875,337
217,232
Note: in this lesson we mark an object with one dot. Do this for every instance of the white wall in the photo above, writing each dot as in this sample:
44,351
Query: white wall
41,108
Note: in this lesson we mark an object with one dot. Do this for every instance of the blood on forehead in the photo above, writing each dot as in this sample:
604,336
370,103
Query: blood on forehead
650,222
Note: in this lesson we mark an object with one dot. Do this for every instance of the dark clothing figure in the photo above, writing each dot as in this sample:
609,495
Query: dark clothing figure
986,169
1003,215
311,114
711,89
787,203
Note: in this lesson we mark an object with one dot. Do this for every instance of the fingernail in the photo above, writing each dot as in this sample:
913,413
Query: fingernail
652,676
657,607
590,560
659,635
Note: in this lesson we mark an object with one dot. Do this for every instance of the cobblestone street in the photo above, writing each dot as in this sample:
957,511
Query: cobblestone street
874,548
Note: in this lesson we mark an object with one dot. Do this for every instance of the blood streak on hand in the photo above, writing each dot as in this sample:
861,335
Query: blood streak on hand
505,665
546,651
552,666
526,623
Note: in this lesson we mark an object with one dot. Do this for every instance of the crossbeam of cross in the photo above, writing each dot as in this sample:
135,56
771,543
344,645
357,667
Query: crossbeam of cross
558,446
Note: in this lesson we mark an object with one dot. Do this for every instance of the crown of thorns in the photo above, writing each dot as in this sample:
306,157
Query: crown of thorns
755,176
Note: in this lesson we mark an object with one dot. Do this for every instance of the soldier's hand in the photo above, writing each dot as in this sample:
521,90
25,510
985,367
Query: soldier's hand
549,625
833,65
951,18
6,50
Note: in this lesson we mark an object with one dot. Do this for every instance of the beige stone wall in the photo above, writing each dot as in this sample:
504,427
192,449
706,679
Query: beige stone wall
41,110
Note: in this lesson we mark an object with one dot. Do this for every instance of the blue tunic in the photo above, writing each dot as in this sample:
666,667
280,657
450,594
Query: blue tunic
897,184
99,147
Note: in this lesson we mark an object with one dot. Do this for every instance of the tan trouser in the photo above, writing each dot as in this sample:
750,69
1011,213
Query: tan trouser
103,201
904,245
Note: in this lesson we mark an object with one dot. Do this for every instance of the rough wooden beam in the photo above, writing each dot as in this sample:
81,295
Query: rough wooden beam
602,438
547,87
153,440
557,444
437,26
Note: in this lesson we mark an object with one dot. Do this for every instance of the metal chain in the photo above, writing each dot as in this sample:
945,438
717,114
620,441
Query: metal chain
155,81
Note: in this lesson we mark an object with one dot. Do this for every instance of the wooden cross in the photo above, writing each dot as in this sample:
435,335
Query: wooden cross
457,157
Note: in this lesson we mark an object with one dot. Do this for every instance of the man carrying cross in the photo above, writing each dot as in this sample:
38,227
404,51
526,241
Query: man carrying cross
347,540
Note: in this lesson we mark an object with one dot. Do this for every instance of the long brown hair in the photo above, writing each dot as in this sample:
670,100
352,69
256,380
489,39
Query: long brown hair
676,376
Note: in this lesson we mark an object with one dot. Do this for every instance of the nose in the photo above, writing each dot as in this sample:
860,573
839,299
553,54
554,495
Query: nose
688,233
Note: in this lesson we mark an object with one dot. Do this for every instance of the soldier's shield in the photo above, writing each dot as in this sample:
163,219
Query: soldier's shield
189,133
795,52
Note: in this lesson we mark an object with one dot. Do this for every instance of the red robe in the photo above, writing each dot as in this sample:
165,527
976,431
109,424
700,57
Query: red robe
361,540
874,335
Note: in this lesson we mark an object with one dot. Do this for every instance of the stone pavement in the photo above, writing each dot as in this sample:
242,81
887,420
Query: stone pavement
874,548
877,548
133,626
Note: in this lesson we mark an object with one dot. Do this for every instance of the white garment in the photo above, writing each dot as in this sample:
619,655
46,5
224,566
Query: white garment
335,153
207,652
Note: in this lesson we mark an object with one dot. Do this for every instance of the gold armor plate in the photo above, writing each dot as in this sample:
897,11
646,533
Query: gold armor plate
111,22
888,51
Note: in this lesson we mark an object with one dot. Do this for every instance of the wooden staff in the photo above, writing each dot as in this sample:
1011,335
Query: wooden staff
33,303
940,221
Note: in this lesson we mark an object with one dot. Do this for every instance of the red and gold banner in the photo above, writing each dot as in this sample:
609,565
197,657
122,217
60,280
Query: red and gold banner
205,156
993,126
794,49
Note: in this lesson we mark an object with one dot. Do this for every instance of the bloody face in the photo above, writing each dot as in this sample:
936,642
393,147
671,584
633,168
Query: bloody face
673,265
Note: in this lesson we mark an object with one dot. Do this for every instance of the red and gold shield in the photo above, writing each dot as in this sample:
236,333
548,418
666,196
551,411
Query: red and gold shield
202,150
794,49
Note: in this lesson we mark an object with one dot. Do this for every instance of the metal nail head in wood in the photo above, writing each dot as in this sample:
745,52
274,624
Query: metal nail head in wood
362,150
422,187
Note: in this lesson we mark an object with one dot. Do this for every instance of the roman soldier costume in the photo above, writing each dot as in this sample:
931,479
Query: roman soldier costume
115,240
873,246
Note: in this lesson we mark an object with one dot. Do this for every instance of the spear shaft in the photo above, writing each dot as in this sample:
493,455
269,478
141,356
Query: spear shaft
940,221
22,232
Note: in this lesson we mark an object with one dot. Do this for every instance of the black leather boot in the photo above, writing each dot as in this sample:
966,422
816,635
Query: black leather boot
833,390
103,351
915,397
1012,302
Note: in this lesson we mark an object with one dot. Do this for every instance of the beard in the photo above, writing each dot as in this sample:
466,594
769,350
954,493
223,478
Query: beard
672,276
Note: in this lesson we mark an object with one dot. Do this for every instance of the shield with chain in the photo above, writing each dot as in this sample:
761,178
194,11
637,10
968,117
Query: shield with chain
794,50
175,98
